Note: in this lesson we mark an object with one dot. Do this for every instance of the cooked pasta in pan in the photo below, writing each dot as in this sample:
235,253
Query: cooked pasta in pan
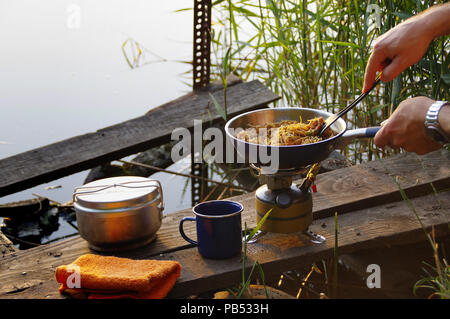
285,133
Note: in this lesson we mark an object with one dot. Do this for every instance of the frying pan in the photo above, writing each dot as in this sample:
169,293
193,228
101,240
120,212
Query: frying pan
291,156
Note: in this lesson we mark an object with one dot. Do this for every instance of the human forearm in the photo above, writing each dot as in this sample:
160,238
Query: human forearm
435,20
444,118
406,43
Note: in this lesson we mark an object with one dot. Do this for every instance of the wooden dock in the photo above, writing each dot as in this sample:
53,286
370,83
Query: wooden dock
371,214
86,151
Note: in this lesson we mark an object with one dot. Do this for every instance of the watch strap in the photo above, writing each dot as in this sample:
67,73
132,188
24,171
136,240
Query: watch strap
432,122
433,111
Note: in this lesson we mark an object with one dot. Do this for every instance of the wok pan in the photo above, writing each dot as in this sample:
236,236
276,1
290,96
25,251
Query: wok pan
291,156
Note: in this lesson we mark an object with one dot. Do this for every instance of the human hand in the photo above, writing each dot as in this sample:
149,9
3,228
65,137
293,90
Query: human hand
406,43
396,50
405,128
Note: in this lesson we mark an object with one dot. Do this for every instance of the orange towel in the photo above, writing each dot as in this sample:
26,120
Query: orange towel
107,277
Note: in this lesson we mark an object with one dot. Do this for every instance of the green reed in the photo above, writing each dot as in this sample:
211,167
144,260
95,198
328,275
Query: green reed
438,276
314,53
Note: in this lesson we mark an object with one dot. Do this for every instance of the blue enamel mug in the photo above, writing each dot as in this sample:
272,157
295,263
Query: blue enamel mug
219,228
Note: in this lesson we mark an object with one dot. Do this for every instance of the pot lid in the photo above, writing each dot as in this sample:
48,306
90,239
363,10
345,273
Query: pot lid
117,192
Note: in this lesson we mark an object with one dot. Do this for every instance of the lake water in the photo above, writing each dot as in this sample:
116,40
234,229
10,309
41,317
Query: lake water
63,73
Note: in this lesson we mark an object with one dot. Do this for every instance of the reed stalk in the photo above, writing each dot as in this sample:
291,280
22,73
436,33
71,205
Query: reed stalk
313,54
439,282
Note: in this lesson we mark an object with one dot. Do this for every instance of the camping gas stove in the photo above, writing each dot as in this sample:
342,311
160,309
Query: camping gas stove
290,204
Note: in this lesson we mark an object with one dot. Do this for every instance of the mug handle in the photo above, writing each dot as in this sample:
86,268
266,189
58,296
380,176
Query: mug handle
182,230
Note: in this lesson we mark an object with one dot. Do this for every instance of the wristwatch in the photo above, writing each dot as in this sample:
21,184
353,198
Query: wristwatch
432,126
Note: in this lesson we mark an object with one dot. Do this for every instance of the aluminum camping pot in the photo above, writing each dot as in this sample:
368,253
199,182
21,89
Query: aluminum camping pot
119,213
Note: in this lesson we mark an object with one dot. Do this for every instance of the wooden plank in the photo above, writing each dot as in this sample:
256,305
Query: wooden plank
24,208
362,185
82,152
367,228
377,182
343,190
39,263
359,186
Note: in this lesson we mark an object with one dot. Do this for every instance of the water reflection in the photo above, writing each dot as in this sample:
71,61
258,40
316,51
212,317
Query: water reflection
63,73
59,79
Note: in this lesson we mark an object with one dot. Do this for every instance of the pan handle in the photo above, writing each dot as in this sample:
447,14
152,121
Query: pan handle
350,135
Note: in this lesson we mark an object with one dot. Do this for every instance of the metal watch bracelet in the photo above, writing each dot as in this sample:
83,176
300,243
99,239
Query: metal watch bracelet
432,126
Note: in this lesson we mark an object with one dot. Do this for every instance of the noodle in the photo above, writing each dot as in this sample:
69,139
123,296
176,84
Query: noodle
286,133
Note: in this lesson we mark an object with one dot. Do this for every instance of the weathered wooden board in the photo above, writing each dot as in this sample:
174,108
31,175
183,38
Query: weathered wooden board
24,208
373,227
82,152
378,182
344,190
415,175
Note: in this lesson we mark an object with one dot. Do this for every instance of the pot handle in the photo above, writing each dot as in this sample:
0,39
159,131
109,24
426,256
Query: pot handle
161,204
350,135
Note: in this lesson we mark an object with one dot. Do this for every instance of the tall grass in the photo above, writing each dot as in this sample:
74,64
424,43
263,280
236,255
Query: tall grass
313,54
439,282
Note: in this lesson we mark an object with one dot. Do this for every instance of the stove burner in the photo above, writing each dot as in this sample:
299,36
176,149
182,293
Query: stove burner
290,204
